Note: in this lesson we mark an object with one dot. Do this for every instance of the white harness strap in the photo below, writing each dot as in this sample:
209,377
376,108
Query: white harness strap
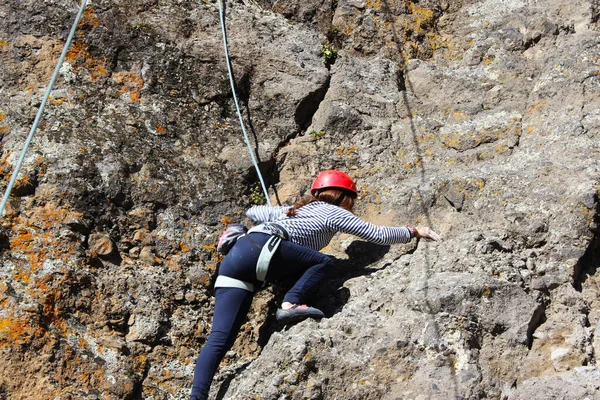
264,259
225,282
262,267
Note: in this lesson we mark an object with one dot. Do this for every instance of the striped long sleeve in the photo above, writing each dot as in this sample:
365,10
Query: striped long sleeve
267,213
349,223
315,224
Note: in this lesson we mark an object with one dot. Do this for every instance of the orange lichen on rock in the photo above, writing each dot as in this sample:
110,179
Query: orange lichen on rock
14,331
184,247
4,163
132,84
34,242
89,19
79,56
51,312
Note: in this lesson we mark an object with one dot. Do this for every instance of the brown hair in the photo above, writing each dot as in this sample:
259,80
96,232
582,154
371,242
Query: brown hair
341,198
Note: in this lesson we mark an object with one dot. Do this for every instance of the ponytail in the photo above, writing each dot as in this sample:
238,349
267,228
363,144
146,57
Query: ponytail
336,197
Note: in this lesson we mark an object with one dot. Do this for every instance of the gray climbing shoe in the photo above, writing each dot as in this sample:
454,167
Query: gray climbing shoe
297,313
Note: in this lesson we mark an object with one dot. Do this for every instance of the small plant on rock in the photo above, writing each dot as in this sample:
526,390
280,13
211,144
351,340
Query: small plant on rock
329,52
256,195
317,135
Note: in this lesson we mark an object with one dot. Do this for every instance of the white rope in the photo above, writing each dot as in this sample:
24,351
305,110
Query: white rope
38,117
237,106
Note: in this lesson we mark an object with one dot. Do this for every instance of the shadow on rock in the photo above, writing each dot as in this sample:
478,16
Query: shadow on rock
227,381
4,240
332,296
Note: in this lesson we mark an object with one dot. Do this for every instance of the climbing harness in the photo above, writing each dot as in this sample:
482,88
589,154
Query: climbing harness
278,233
227,282
264,259
262,267
237,106
38,117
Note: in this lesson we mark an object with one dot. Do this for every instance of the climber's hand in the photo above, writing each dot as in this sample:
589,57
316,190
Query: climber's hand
425,232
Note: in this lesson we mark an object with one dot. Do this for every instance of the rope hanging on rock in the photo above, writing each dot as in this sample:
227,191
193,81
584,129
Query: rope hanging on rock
237,106
38,117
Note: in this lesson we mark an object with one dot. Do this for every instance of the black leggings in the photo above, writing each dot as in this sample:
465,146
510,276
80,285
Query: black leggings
309,266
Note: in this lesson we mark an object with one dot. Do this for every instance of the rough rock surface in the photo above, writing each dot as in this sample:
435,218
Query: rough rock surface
477,117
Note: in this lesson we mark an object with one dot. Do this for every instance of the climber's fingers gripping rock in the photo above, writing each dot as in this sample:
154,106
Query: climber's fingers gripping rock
425,232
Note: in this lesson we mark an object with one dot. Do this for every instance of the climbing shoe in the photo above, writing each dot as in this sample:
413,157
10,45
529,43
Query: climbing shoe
297,313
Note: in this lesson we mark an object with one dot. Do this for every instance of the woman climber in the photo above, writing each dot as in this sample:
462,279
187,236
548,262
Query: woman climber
286,244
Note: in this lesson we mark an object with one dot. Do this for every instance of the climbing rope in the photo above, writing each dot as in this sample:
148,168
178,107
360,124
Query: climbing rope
38,117
237,106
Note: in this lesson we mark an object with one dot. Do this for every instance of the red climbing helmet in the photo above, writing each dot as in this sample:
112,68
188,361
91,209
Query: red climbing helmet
331,179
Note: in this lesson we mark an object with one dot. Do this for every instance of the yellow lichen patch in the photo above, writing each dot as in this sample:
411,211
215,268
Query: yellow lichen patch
410,35
2,116
429,137
374,4
60,101
423,16
538,106
343,150
211,267
465,139
487,292
451,140
469,187
459,116
76,49
400,153
216,257
139,363
132,84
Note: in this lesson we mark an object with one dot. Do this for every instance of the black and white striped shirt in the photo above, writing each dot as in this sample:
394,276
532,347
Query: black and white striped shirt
315,224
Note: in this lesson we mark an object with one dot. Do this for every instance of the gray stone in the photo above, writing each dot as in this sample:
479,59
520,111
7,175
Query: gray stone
477,118
101,244
147,255
144,329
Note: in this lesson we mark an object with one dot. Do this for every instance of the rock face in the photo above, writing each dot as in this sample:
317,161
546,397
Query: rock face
478,118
